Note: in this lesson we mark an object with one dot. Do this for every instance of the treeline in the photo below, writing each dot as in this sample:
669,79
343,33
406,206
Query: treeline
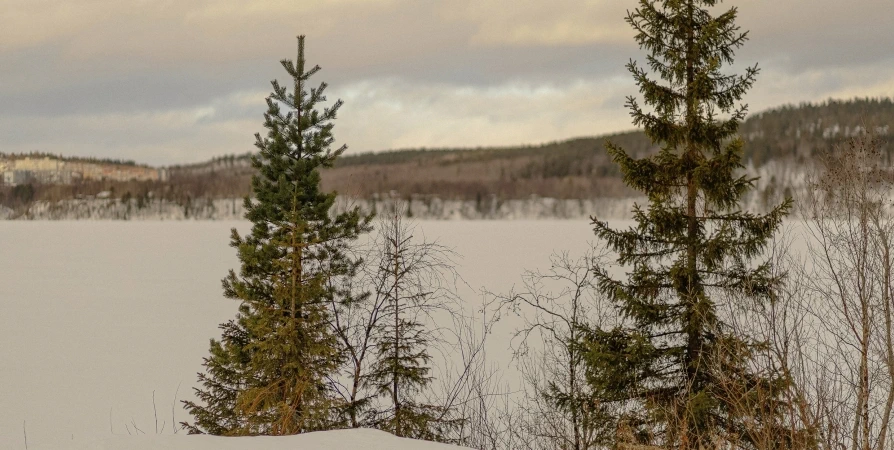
809,130
577,168
22,197
573,169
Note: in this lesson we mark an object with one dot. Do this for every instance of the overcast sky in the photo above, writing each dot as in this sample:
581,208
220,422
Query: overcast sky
178,81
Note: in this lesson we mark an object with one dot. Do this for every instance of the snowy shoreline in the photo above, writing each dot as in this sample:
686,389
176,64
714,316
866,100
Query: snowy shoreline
423,209
533,208
774,181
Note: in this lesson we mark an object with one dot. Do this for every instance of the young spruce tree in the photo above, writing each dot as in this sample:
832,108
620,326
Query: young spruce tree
410,282
268,373
692,247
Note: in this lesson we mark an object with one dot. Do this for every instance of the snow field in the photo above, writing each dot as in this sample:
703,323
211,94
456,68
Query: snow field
97,317
329,440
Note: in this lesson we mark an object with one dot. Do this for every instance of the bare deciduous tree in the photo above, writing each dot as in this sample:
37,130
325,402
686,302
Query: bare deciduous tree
830,328
557,409
395,349
850,287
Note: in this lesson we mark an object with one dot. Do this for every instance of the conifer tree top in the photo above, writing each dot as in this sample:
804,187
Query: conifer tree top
688,47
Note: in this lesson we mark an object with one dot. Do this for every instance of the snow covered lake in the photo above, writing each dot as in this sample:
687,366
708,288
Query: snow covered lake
96,316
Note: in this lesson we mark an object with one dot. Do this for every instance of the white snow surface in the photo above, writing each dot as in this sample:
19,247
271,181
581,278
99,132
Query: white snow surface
97,317
362,439
104,324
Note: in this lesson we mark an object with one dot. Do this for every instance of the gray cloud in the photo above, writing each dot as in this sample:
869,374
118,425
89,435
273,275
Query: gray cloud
167,82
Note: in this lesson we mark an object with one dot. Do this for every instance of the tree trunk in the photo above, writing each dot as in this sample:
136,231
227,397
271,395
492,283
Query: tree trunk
692,325
394,387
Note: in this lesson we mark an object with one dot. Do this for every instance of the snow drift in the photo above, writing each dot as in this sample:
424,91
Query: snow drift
361,439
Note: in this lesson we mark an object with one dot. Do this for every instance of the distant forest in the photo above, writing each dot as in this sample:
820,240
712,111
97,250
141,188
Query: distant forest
573,169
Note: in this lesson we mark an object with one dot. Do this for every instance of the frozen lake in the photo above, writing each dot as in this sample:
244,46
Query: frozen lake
95,316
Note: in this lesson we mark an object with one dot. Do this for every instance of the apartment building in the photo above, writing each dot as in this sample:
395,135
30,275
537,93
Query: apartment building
49,170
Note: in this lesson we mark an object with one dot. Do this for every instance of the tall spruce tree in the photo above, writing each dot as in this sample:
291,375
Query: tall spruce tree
268,373
664,372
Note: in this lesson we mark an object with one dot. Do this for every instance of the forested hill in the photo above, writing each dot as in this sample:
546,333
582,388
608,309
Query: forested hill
809,129
777,132
573,169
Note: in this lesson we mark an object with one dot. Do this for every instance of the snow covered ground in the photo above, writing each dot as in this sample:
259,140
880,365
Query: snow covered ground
97,318
328,440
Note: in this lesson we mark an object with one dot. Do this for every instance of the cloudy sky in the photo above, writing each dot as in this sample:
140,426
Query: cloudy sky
176,81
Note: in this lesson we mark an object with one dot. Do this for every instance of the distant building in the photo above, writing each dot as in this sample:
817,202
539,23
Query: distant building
50,170
17,177
45,164
55,177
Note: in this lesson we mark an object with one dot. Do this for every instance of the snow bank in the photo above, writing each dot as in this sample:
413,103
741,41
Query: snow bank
325,440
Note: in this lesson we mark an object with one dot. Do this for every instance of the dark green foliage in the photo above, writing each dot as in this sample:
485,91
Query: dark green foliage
221,385
23,193
667,371
269,372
